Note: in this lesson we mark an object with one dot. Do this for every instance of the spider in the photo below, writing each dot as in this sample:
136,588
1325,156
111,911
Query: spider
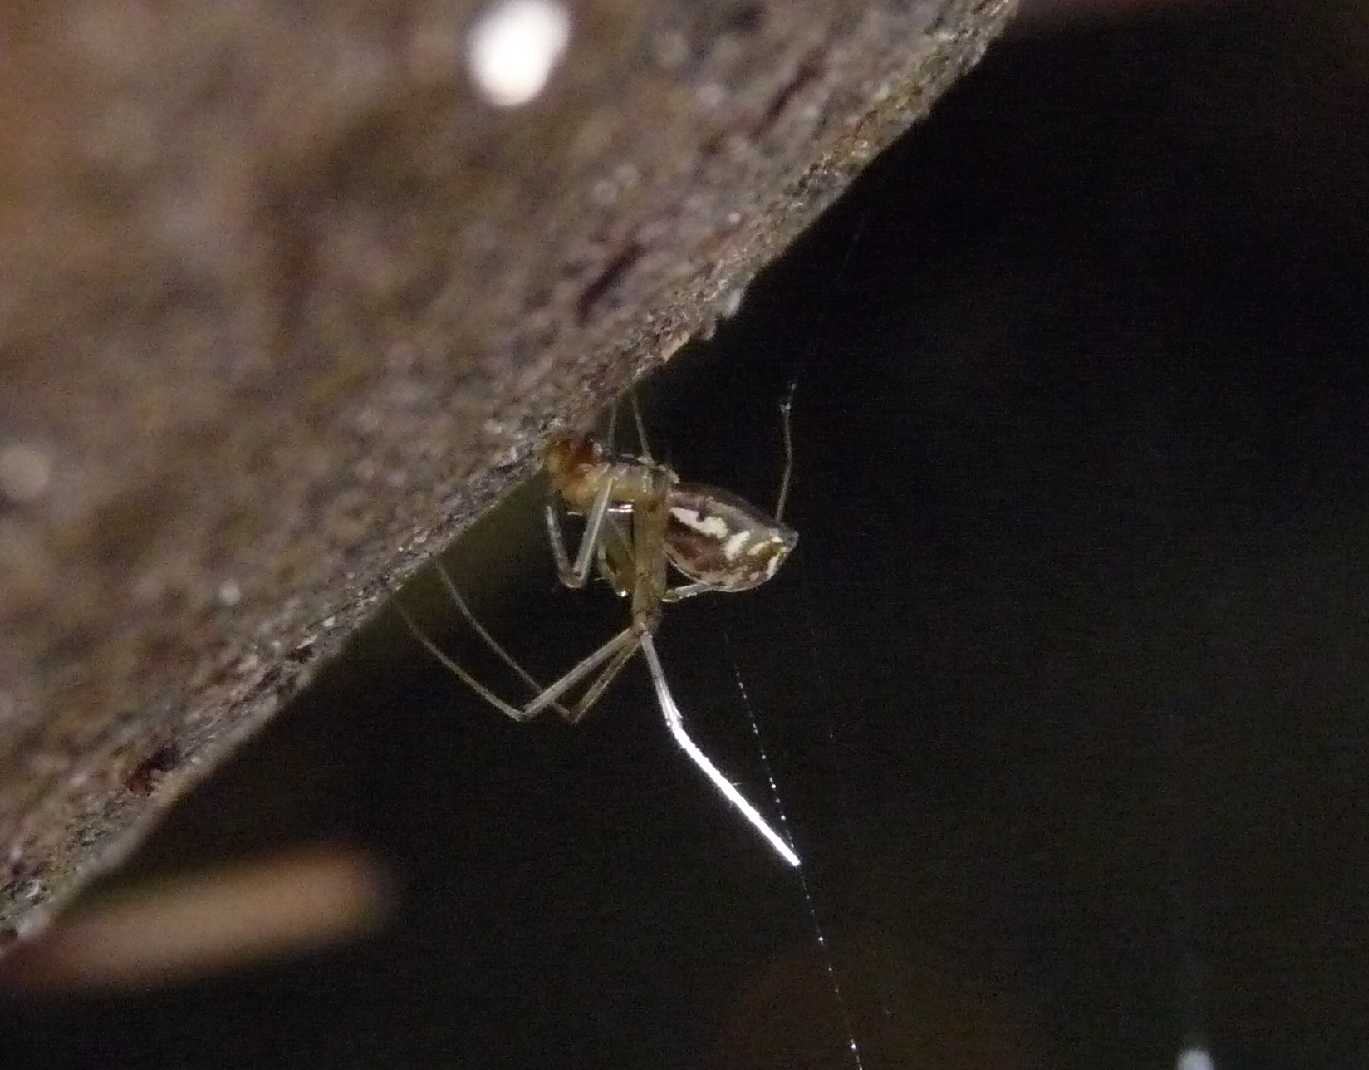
640,519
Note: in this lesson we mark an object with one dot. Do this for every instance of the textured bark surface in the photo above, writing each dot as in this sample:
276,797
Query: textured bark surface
284,304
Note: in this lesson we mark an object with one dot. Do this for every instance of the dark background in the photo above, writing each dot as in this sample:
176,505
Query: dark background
1064,690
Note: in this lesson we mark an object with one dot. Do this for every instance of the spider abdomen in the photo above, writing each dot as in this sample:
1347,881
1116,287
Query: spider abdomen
715,537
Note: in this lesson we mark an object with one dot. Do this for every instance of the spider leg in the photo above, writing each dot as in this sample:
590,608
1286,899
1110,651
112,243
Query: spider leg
642,443
626,638
466,678
557,539
490,641
575,575
596,690
686,590
615,556
605,571
675,722
786,407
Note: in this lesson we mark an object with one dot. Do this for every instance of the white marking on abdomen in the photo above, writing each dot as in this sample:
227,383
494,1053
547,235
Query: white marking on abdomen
715,527
733,546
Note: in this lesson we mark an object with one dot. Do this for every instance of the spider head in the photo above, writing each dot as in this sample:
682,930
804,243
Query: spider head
574,464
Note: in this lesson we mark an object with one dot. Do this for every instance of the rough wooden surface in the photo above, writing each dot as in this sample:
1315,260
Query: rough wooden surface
284,303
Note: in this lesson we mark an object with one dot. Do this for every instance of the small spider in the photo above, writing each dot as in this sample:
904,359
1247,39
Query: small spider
639,518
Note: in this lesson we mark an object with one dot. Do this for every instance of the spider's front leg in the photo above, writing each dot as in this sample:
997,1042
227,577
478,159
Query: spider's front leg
575,575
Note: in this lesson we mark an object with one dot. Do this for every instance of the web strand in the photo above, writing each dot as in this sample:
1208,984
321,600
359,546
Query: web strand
824,952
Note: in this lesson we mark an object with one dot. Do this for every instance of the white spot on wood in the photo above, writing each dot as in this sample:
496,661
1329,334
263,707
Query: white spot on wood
710,95
731,301
1194,1059
670,50
230,594
715,527
513,48
734,544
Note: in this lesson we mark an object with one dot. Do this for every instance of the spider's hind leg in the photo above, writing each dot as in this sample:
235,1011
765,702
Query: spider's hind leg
616,652
490,641
596,690
507,709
